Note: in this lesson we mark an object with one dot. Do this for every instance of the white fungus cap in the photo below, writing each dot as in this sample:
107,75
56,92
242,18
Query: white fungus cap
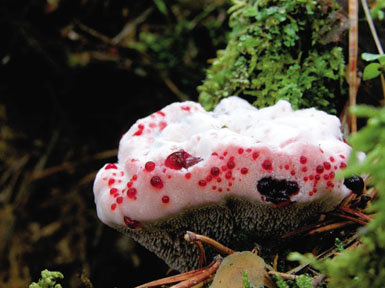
182,157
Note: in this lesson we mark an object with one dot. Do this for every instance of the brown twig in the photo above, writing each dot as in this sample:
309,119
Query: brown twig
347,217
355,213
353,51
330,227
176,278
201,276
192,237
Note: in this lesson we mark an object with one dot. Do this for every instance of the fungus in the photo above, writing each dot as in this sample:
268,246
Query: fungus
234,172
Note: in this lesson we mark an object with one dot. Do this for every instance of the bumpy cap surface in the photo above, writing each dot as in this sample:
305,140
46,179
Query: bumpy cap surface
182,157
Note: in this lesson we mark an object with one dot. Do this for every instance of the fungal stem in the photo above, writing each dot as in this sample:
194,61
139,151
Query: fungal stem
192,237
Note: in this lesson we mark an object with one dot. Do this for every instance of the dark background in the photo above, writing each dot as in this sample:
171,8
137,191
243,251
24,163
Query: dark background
68,92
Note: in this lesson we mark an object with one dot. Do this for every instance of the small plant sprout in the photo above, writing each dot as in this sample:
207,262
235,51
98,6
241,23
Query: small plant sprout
48,280
374,69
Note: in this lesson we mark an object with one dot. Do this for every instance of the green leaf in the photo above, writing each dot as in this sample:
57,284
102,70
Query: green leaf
372,57
371,71
161,6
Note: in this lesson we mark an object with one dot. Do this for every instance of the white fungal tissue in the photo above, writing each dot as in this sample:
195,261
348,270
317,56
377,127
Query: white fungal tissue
183,156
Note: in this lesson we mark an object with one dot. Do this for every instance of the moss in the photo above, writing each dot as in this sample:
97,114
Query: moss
279,50
365,265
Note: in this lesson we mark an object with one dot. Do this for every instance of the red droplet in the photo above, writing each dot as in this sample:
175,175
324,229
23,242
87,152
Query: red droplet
165,199
119,200
343,165
230,184
113,191
319,169
327,165
209,178
202,183
292,172
305,178
317,177
131,193
230,163
267,165
330,184
187,175
342,156
214,187
131,223
219,180
248,150
214,171
156,182
185,108
219,189
140,130
304,169
111,166
214,154
134,178
228,175
240,150
287,167
162,125
113,206
181,159
129,184
311,177
244,171
326,176
149,166
332,175
331,159
255,155
161,113
303,159
111,181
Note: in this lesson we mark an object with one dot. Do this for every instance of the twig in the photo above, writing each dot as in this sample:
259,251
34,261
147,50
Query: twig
130,26
285,276
192,237
174,89
202,276
353,51
371,26
176,278
330,227
375,38
347,217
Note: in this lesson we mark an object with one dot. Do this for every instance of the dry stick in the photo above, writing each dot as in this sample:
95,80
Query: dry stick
353,51
176,278
326,254
375,37
356,213
202,276
330,227
359,221
192,237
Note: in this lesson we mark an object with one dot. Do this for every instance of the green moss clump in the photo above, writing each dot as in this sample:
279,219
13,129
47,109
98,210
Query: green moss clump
279,50
48,280
365,265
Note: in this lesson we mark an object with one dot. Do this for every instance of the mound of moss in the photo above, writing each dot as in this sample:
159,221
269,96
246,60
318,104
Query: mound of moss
280,50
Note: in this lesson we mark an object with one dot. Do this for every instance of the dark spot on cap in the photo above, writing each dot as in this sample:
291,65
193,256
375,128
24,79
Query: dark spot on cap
277,191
